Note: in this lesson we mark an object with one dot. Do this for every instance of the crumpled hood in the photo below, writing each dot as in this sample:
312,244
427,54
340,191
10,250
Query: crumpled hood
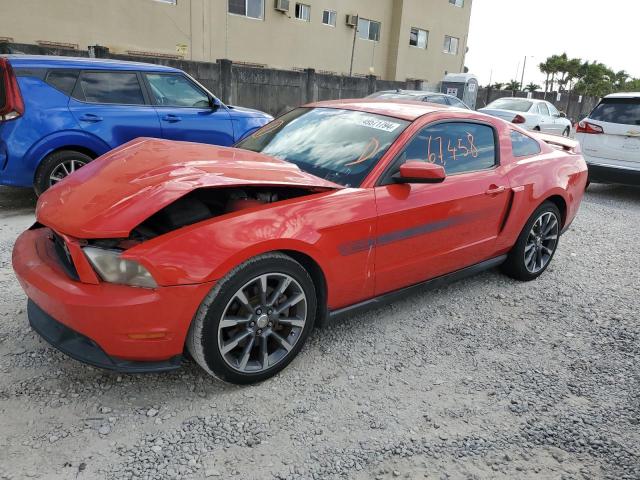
115,193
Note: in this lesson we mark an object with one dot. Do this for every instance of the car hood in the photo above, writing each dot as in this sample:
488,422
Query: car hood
116,192
248,112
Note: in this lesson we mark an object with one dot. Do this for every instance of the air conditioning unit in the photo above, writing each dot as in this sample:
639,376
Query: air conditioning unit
352,20
282,6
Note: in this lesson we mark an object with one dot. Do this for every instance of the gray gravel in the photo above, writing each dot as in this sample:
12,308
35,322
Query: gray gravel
486,378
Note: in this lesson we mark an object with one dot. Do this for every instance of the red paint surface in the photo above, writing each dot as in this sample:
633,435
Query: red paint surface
366,241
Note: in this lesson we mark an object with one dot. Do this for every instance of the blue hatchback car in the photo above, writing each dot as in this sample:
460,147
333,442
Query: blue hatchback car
58,113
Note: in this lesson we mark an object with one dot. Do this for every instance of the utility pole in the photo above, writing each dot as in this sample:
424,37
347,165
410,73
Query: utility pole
523,69
353,47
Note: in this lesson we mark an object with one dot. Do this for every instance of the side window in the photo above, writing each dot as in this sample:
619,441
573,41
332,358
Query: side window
175,90
456,103
63,80
543,109
553,110
437,99
523,146
109,87
457,146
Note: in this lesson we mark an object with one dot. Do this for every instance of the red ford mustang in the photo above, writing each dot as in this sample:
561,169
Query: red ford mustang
235,253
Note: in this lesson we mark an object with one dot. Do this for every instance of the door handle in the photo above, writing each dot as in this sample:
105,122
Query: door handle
495,190
171,118
90,117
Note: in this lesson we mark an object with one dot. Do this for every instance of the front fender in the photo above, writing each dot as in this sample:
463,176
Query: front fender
316,226
63,139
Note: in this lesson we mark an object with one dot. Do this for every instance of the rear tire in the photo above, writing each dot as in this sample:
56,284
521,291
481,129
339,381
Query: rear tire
536,244
57,166
244,332
567,132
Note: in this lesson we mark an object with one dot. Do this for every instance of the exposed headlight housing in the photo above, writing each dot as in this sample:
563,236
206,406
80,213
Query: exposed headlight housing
114,269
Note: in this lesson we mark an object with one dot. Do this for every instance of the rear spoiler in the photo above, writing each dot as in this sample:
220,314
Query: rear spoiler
560,143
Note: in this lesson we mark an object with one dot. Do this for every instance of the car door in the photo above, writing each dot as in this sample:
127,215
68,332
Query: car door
113,106
559,122
427,230
547,122
186,111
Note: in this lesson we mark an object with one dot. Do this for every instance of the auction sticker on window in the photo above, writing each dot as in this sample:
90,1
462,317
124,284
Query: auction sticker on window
383,125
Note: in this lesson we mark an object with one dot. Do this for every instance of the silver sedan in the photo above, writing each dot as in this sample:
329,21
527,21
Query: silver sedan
536,115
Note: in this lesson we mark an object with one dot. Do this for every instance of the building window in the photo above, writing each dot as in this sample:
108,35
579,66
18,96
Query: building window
451,45
329,17
303,12
418,38
457,3
247,8
368,29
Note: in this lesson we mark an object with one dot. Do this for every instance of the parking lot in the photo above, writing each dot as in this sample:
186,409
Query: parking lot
486,378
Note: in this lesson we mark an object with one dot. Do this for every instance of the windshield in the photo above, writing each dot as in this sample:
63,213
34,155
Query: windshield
618,110
338,145
511,104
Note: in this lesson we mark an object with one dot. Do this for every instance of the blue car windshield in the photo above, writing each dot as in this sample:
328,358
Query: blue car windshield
338,145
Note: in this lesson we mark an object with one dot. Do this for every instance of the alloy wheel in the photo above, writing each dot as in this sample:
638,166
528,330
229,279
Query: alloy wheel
262,322
541,242
64,169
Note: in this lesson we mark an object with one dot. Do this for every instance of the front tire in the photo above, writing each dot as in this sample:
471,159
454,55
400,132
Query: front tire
255,320
57,166
536,244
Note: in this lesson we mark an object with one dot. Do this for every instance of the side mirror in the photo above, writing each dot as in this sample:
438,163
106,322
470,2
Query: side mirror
563,115
214,103
420,172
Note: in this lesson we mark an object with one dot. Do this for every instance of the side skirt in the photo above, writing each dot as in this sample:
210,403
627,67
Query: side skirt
419,287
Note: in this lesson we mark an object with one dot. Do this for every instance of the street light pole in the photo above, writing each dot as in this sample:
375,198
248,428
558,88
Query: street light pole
524,67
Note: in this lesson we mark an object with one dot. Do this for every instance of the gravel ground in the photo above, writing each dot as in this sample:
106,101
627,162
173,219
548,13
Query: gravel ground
486,378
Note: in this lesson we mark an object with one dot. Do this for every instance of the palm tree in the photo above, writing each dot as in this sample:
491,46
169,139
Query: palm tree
620,79
532,87
544,68
513,85
562,64
498,85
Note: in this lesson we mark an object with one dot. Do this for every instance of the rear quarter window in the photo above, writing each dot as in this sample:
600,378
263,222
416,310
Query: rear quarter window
109,87
625,111
523,146
63,80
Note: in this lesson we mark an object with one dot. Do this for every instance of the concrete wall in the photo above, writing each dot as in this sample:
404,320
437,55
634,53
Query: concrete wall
276,91
208,32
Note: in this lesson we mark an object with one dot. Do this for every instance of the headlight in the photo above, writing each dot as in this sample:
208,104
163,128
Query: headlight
114,269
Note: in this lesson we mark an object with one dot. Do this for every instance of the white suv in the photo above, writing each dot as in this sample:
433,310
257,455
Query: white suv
610,139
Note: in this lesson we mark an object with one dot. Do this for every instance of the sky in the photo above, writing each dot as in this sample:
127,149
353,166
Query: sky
503,32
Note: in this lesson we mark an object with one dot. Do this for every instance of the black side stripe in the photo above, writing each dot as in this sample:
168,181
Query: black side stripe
361,245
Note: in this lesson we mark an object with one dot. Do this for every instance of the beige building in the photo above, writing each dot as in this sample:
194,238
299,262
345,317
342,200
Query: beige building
395,39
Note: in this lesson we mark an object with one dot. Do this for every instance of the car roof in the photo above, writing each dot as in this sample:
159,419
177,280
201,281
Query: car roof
412,93
524,99
624,95
52,61
403,109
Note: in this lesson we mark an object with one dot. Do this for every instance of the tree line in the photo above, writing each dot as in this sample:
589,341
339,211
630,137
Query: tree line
573,75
